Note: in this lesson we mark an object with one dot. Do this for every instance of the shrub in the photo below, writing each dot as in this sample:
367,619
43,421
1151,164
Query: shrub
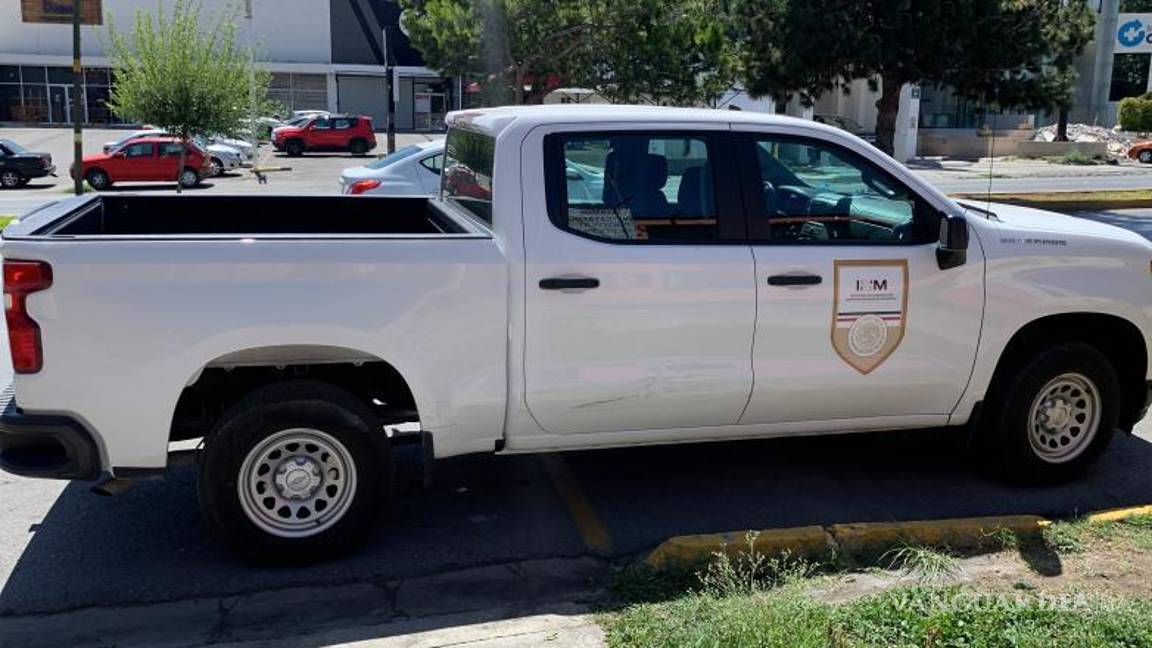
1136,113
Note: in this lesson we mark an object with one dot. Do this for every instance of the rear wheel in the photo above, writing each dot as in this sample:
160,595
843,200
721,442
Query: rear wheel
98,179
189,177
293,474
11,178
358,147
1057,416
294,148
1145,157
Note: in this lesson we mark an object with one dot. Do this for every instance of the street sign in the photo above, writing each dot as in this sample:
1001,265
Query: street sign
60,11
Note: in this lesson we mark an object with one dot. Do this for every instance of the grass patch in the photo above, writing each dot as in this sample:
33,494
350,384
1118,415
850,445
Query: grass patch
928,565
5,219
1125,196
906,616
1077,157
1077,536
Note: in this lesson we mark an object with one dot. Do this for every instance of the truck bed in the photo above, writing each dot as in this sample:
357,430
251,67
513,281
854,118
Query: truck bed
145,216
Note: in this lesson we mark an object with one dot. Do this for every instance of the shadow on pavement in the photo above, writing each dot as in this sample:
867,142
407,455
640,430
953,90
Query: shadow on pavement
484,513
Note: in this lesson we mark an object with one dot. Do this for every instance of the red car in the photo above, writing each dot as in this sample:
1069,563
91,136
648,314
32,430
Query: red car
326,133
149,159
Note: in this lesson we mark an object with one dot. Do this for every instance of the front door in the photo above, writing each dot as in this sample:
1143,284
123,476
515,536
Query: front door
60,104
855,318
640,295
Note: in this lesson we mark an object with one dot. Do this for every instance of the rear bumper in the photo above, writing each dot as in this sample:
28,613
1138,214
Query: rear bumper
55,447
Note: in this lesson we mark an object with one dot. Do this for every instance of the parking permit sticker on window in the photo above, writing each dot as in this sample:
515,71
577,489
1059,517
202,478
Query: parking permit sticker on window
870,310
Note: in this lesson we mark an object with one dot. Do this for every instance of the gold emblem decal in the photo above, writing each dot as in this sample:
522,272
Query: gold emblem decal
870,308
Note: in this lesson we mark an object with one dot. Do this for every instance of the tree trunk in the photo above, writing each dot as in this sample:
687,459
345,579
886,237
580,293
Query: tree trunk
180,167
1062,124
887,111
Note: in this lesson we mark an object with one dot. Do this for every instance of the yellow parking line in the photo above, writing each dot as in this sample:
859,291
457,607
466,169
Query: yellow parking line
592,530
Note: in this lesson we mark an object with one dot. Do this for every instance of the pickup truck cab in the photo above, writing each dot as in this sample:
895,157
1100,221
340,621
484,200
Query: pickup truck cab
595,277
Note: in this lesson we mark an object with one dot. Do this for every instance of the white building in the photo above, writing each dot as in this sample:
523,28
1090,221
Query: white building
323,54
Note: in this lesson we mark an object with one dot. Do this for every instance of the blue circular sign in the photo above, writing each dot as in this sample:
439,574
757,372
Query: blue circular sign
1131,33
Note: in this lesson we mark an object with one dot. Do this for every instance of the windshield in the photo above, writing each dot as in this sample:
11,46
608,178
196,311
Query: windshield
13,147
393,158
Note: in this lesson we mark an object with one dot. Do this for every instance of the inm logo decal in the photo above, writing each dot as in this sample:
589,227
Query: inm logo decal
871,285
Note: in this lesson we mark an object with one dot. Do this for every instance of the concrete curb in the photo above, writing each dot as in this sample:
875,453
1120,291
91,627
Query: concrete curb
867,538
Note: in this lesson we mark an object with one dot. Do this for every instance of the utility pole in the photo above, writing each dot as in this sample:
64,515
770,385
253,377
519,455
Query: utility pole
389,71
77,99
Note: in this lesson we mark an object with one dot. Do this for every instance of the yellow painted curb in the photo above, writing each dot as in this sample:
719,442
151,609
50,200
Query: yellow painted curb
689,549
1116,515
960,533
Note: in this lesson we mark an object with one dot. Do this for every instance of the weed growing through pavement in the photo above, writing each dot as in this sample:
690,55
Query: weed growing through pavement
928,565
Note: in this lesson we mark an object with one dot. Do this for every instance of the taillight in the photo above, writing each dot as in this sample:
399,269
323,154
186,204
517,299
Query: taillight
360,186
22,278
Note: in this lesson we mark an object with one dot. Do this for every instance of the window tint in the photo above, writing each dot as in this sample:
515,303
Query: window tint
636,187
815,192
468,165
171,149
321,123
343,124
139,149
433,163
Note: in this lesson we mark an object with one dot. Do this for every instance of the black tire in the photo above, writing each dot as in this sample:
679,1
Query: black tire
257,420
358,147
217,166
1145,157
1010,425
11,179
189,177
98,179
294,148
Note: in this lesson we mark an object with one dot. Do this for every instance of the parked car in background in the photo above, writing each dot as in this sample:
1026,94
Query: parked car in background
246,150
847,124
222,157
18,165
1141,151
352,133
310,113
261,127
410,171
146,159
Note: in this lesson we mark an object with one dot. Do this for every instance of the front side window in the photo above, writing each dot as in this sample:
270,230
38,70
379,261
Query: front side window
469,159
815,192
138,150
321,123
635,187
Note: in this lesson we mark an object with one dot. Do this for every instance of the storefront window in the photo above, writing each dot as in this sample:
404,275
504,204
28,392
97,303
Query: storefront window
1129,76
34,93
10,102
299,91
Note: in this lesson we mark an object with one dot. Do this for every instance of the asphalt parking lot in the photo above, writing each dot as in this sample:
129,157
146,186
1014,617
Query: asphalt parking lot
314,173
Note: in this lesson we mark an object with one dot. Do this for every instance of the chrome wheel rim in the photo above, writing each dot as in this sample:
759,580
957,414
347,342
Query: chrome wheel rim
297,483
9,179
1064,418
188,178
217,167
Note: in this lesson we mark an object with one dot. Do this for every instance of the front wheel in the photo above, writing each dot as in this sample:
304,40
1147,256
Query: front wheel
98,179
217,167
1057,416
294,148
1145,157
292,474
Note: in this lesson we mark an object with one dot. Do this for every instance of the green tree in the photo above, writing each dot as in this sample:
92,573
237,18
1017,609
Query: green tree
1008,52
670,51
184,75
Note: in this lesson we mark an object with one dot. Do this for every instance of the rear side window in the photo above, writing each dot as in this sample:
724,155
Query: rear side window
466,180
171,149
343,124
635,187
433,163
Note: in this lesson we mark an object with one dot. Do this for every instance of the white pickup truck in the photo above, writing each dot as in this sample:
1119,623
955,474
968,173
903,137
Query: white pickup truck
589,277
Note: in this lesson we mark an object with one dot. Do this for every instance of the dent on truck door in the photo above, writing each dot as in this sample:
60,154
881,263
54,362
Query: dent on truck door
856,319
639,314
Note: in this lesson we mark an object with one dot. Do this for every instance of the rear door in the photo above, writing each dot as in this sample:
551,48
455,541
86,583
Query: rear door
168,162
640,291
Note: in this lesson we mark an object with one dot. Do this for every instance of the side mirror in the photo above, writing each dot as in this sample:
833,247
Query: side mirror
952,251
120,154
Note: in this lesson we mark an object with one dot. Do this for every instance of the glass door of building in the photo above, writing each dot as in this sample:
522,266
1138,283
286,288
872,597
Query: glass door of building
429,105
59,104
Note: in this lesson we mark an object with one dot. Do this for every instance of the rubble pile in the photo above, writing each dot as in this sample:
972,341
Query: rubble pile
1118,141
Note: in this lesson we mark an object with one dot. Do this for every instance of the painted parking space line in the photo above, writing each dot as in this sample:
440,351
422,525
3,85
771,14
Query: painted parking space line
592,530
